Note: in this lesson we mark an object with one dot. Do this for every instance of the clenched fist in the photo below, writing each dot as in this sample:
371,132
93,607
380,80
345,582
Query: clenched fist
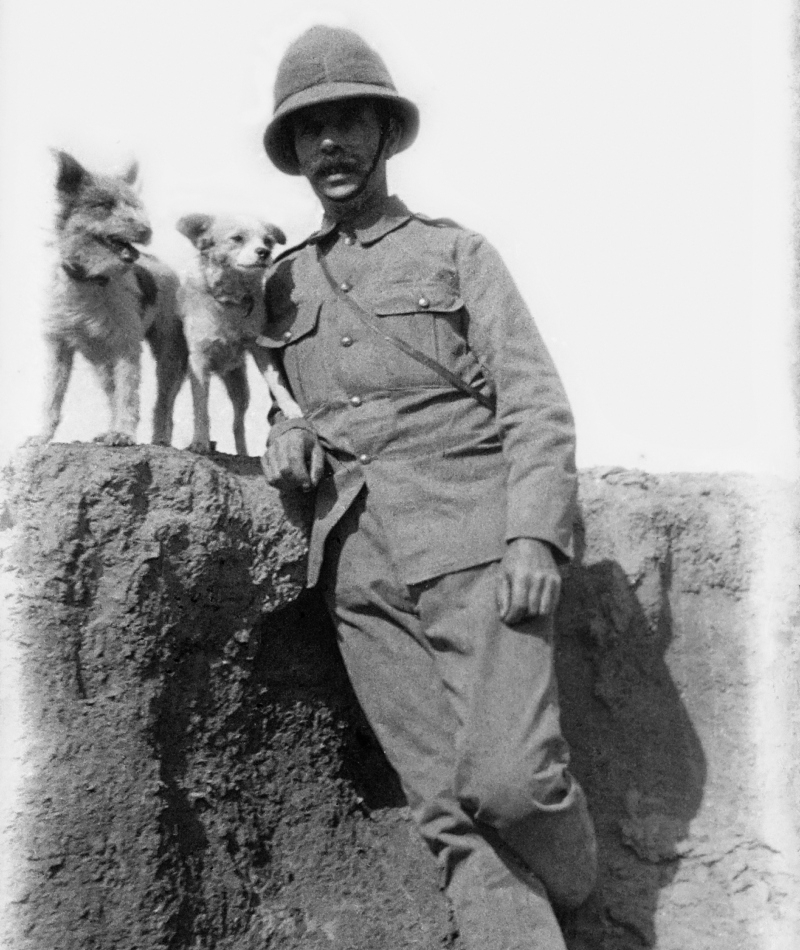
294,459
529,584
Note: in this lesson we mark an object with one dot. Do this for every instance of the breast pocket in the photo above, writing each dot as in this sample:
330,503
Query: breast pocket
290,331
288,322
427,316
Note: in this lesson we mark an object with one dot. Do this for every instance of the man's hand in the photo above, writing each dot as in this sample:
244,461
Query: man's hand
529,584
294,460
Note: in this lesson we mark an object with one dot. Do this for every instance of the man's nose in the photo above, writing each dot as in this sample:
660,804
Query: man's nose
327,142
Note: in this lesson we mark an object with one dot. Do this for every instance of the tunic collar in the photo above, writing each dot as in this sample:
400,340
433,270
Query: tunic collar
372,226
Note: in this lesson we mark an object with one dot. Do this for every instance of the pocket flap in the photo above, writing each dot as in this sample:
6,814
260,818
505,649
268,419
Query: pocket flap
290,324
417,298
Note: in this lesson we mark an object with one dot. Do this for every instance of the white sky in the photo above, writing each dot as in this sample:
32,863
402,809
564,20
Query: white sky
631,160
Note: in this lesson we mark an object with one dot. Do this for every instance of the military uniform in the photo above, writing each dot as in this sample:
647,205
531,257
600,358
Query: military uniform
424,487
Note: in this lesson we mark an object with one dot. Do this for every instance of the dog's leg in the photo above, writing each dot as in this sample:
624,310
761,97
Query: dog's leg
128,379
120,383
199,377
236,383
278,389
105,376
58,371
168,346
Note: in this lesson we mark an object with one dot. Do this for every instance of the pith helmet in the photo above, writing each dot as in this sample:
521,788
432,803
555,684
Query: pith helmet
326,64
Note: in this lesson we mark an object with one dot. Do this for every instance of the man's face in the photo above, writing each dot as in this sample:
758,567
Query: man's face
336,144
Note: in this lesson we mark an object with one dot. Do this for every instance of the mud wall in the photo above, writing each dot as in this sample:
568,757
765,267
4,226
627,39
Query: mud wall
192,771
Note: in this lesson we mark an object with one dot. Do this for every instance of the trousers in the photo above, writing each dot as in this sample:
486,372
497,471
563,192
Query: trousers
466,710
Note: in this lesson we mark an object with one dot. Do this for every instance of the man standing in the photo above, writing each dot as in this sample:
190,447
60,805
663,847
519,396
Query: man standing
440,444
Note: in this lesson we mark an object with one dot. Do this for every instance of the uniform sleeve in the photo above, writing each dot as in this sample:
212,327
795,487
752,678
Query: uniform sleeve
533,413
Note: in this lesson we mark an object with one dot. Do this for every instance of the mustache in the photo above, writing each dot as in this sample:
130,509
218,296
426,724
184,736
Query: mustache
332,165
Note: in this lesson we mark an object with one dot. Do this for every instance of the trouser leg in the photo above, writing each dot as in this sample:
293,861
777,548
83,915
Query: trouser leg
512,760
418,700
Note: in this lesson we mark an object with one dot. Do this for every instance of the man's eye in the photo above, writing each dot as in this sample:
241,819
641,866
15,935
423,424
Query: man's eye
308,129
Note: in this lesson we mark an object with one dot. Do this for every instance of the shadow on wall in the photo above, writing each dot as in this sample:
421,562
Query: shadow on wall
634,748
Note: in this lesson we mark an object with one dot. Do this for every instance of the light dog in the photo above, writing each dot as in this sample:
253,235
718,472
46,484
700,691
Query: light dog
105,299
222,307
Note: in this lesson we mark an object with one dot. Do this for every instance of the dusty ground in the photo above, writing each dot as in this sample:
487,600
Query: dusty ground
195,774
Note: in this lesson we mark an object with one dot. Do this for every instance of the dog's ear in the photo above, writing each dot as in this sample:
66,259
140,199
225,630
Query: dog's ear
274,232
194,227
131,173
72,176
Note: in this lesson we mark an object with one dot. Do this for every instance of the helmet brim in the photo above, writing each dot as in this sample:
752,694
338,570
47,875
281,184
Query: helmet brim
278,140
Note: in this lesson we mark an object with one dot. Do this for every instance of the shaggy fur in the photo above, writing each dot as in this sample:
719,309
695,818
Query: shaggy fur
222,307
106,298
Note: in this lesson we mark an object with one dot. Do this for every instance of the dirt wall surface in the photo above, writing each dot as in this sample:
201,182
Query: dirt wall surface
191,770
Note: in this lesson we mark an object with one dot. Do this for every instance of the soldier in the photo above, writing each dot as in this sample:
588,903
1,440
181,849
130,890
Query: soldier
440,444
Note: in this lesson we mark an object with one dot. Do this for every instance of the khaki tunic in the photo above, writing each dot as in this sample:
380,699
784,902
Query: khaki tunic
451,480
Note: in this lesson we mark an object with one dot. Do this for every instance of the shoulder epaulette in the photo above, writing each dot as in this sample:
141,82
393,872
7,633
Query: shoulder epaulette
290,250
296,247
438,222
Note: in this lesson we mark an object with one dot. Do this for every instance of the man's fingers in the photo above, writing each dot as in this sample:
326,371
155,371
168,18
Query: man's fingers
317,465
516,598
503,595
295,467
268,468
537,592
551,596
544,595
520,596
295,460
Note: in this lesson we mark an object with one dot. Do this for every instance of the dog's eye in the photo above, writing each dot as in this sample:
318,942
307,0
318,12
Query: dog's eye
237,239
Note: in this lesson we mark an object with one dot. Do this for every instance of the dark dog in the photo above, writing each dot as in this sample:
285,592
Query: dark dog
222,307
106,298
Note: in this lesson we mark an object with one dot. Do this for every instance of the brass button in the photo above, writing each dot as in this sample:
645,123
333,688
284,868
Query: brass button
364,459
346,341
287,336
355,400
349,239
424,303
345,286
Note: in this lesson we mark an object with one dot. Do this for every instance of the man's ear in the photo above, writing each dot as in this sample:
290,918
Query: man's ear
394,130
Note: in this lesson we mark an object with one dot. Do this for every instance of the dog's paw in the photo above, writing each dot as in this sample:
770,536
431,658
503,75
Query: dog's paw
35,441
115,438
202,446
